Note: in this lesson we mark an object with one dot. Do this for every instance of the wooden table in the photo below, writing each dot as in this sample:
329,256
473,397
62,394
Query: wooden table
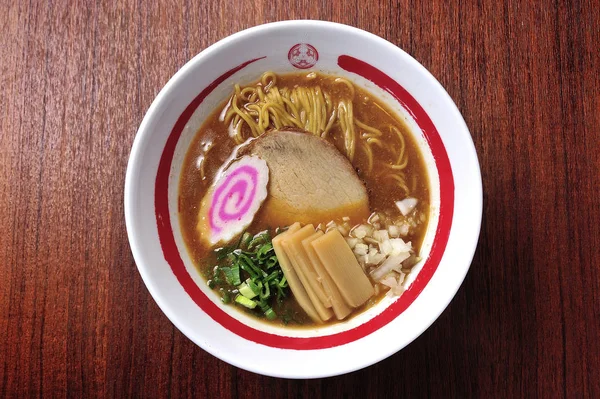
76,80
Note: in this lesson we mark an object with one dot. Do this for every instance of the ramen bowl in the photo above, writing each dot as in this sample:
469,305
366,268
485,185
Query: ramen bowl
155,165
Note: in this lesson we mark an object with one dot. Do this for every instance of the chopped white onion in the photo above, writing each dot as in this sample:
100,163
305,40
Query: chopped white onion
370,241
394,231
361,249
373,218
396,287
381,235
399,246
386,247
404,229
362,231
363,260
377,258
389,281
392,263
401,278
407,205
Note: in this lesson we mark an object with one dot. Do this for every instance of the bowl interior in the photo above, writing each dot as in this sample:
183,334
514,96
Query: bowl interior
152,198
223,91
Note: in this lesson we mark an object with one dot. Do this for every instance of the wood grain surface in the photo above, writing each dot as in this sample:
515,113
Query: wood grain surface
76,79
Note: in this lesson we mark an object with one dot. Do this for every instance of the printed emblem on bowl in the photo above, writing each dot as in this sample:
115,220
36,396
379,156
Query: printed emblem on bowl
303,56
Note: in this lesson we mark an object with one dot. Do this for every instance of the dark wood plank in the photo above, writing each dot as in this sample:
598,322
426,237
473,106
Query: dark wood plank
75,82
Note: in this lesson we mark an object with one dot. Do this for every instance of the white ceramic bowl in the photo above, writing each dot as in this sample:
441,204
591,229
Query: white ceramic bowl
151,190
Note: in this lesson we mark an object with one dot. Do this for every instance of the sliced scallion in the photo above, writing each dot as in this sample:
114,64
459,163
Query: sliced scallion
253,259
270,314
242,300
246,291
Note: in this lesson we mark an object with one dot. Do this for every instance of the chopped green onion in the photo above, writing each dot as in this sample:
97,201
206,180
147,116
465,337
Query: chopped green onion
264,251
253,286
272,262
280,293
263,305
270,314
217,275
265,293
248,270
226,298
244,259
245,240
222,252
232,274
242,300
259,239
253,259
272,276
246,291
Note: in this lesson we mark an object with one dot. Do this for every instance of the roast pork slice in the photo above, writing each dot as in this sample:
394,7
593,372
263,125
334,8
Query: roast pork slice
310,180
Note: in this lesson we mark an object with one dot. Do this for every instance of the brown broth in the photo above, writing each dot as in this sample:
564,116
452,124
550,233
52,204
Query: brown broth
382,192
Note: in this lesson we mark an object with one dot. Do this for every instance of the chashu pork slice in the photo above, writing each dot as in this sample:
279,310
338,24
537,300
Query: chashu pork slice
310,180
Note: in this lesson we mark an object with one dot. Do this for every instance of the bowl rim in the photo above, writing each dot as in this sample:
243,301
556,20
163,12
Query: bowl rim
161,97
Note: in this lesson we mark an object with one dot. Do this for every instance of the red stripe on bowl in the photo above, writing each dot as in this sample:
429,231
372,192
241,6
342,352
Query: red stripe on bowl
173,257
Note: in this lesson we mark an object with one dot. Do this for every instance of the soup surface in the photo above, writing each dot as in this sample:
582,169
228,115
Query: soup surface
213,146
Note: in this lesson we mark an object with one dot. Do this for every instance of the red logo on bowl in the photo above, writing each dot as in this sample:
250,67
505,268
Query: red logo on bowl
303,56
